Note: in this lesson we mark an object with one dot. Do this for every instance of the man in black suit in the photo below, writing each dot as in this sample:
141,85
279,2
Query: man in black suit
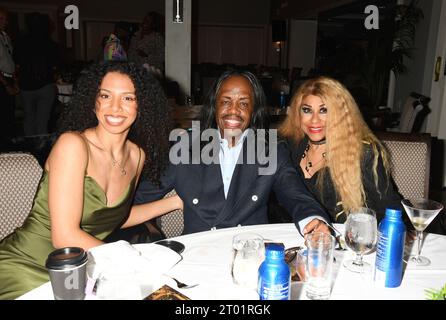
228,182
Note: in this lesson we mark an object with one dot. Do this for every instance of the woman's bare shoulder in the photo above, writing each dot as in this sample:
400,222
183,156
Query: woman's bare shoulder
68,147
70,138
135,150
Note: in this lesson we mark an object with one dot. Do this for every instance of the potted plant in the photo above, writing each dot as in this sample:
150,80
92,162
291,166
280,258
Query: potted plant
398,44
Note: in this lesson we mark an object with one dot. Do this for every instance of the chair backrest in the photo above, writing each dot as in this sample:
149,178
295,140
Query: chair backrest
410,155
172,223
412,108
20,174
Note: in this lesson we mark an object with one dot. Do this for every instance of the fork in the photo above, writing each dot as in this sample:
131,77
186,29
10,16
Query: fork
182,285
338,238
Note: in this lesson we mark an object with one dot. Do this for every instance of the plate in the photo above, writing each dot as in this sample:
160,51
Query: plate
295,257
176,246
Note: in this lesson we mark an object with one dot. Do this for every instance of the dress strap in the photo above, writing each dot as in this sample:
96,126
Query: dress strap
88,150
139,160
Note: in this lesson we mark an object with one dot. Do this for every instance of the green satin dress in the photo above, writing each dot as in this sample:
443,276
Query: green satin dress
24,252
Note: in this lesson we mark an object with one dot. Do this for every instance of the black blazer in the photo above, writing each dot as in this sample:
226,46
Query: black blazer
200,186
387,196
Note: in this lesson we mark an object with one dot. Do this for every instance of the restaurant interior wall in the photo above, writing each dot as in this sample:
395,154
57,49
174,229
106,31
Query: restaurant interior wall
418,69
302,44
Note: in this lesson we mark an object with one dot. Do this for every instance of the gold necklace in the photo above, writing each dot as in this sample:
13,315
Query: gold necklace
309,164
114,161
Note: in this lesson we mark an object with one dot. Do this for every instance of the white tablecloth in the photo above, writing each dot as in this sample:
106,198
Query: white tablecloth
207,261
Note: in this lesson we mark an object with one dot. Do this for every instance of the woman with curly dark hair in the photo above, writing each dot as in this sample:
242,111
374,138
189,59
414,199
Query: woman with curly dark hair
115,128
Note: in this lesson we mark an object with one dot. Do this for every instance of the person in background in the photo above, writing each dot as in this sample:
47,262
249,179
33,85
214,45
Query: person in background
8,83
114,130
230,191
116,45
147,46
341,161
37,59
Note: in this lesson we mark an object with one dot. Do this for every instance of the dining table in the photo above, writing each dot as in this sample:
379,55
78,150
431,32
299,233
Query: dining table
207,257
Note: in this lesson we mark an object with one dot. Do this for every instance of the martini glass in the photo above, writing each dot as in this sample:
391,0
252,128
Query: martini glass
421,212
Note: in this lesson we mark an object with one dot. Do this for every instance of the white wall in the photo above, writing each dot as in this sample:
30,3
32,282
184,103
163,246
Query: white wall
419,73
302,44
437,88
178,47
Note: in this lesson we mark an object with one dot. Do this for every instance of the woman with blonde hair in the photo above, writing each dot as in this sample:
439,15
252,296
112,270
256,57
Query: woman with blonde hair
341,161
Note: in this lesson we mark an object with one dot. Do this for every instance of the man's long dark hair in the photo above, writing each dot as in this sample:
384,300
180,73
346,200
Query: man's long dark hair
150,131
260,117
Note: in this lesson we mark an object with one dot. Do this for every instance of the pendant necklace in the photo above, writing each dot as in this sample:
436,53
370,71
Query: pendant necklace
114,161
309,164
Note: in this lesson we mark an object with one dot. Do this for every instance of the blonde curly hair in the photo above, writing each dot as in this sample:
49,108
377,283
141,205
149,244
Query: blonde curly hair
346,134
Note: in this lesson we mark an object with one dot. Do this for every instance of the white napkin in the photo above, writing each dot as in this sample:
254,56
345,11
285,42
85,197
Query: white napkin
121,257
120,266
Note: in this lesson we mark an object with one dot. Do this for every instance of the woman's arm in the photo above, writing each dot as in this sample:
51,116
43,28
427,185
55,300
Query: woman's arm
66,164
143,212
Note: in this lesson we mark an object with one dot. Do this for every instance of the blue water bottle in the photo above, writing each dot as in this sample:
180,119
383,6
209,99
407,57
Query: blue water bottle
274,274
390,250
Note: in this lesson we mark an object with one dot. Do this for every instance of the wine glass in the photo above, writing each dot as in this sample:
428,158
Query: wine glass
360,236
421,212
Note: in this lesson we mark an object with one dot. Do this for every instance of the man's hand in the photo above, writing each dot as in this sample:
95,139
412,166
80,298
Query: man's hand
316,225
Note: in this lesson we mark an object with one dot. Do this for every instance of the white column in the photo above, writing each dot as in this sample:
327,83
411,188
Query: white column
391,92
178,46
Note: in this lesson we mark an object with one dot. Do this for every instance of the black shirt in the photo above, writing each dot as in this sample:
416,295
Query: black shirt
378,199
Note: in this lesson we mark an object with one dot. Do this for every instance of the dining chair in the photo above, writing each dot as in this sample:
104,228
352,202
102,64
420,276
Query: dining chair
412,115
172,223
410,155
20,174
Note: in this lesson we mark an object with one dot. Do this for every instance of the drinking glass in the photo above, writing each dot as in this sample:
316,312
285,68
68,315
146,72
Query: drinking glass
360,236
421,212
319,265
249,253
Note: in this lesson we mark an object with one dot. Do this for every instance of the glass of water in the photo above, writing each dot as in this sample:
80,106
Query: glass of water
320,250
360,236
249,253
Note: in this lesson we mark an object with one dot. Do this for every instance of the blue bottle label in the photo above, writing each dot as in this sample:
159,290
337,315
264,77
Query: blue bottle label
388,264
274,291
380,263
